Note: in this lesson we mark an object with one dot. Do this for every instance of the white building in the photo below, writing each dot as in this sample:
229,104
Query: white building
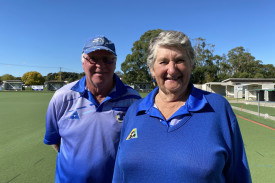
248,88
54,85
12,85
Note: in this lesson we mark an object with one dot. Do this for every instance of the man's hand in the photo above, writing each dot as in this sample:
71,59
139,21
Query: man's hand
56,147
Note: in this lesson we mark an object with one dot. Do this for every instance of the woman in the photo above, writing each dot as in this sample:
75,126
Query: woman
179,133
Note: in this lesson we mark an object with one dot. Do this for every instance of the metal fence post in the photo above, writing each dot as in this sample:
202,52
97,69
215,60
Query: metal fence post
258,103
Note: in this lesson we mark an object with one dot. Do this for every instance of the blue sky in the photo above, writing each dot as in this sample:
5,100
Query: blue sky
44,35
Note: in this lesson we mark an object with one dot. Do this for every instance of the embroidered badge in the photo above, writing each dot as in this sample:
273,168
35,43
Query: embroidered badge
120,116
98,41
74,115
133,134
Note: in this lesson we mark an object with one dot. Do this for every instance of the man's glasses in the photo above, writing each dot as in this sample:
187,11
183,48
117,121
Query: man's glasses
105,59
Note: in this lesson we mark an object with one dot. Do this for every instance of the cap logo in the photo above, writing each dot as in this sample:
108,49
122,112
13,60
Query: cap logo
98,41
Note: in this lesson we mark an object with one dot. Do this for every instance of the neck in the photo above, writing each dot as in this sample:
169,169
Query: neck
168,104
100,92
174,97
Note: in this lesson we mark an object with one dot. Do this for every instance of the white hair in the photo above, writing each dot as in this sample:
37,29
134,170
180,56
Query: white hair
170,38
82,59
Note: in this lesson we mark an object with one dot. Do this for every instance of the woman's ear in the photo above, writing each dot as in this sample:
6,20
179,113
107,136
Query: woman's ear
152,72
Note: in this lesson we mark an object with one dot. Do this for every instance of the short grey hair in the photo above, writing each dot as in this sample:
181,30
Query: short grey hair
170,39
82,55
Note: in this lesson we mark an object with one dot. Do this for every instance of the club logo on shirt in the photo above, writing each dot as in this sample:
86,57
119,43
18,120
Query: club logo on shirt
132,135
74,115
120,116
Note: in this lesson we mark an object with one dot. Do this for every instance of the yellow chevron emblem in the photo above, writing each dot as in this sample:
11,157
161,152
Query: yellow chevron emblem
133,134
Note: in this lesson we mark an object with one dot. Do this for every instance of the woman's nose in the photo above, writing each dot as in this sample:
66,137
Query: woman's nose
171,67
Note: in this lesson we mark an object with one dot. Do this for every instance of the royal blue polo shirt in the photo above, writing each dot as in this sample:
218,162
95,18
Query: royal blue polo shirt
89,132
205,145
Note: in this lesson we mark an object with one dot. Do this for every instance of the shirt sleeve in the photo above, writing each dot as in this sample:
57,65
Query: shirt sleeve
52,133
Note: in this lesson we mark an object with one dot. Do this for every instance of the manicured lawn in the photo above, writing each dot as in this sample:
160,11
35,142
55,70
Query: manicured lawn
260,149
25,158
23,155
143,94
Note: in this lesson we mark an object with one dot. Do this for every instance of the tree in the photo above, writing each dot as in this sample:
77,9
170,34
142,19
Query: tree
205,68
135,66
119,74
33,78
208,66
65,76
268,71
224,67
243,63
51,76
7,77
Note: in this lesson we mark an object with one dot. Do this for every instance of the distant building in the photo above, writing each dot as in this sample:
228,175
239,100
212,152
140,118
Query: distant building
236,87
142,86
267,95
54,85
248,88
215,87
240,81
12,85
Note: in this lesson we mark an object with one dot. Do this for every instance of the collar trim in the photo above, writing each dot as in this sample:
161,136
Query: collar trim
80,86
195,102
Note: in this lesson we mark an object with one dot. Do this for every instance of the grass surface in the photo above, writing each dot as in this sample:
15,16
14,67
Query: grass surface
256,118
23,155
25,158
260,149
263,109
143,94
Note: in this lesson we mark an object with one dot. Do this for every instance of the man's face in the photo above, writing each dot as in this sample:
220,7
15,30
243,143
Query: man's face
99,67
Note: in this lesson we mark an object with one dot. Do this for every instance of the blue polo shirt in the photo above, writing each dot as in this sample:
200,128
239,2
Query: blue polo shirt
89,132
205,145
193,103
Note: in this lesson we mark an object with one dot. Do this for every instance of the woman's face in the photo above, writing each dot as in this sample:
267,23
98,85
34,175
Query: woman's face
172,70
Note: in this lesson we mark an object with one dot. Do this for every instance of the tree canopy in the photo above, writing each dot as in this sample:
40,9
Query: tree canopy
33,78
65,76
205,68
7,77
209,67
135,66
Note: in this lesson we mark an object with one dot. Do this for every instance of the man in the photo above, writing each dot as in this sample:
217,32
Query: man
84,118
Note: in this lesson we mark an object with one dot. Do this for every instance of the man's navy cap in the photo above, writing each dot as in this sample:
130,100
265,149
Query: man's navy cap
99,43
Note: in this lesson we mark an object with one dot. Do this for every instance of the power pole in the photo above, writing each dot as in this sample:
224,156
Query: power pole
60,73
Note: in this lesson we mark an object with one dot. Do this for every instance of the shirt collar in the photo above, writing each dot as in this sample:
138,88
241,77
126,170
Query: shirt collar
80,85
195,102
